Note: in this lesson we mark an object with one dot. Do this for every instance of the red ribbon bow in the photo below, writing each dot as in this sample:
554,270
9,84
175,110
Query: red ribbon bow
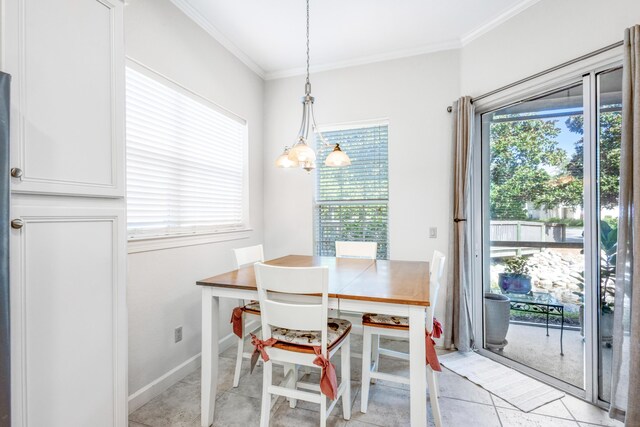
236,319
328,380
259,350
436,332
430,345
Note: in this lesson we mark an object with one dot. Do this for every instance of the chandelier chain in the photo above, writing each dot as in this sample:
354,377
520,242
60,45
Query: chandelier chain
301,154
308,84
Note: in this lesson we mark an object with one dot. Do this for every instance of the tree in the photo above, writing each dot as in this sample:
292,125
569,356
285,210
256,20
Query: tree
528,166
609,155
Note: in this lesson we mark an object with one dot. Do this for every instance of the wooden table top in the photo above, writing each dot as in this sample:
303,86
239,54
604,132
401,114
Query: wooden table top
399,282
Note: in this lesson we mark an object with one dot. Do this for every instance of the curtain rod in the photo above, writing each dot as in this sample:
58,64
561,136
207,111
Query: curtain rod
547,71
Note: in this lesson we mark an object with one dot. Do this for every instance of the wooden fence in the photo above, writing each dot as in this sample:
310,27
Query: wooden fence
509,238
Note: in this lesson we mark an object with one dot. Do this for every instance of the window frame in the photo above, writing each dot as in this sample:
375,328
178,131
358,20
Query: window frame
381,122
142,242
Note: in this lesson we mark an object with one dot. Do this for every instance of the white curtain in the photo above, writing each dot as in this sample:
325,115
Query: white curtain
625,392
457,326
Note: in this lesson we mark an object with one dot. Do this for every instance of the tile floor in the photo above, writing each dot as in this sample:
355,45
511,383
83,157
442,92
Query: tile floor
462,403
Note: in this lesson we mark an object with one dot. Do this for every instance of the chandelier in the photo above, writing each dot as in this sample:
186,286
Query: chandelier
301,154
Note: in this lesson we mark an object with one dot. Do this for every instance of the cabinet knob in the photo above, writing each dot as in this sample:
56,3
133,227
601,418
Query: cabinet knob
16,172
17,224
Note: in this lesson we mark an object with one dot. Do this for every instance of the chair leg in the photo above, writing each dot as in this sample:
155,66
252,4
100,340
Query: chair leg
239,356
375,343
290,367
366,368
433,396
267,378
323,410
345,374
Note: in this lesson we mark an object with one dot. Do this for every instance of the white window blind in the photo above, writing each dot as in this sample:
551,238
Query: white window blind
352,202
185,161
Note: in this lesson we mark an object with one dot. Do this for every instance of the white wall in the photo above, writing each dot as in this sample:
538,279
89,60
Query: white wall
161,284
413,94
545,35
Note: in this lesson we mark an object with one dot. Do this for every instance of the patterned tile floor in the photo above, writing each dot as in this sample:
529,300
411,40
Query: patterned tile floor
462,403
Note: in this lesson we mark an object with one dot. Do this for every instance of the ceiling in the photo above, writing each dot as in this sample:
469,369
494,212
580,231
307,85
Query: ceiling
269,35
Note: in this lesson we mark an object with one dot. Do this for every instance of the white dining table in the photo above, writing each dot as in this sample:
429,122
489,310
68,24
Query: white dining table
399,288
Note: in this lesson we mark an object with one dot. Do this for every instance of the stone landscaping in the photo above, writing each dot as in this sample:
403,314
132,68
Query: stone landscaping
557,271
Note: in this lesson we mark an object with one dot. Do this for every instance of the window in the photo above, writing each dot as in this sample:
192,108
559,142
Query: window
185,161
352,203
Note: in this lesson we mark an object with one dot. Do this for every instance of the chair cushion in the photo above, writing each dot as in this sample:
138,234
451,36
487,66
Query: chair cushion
253,307
304,341
385,321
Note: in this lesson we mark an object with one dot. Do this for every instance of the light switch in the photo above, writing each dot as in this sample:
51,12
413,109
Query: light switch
433,232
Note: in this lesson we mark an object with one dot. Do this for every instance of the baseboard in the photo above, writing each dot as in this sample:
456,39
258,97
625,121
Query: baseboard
159,385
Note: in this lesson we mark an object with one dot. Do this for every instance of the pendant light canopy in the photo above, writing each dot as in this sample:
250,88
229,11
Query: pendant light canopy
301,154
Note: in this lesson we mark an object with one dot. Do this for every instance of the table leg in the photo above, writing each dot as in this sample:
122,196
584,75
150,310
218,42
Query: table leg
209,379
547,320
561,331
417,367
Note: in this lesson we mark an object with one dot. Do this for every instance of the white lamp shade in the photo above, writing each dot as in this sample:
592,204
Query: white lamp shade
302,153
283,161
337,158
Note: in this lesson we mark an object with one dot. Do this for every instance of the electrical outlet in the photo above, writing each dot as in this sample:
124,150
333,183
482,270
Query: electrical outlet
433,232
177,334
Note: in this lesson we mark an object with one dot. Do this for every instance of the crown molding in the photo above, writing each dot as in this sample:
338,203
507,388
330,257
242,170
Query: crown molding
403,53
498,20
206,25
364,60
465,39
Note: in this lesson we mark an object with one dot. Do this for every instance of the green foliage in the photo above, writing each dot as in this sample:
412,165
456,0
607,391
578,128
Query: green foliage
609,250
609,162
612,221
517,265
524,154
357,223
569,222
528,166
571,318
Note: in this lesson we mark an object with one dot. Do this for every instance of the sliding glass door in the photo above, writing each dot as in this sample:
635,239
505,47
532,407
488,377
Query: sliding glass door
547,208
608,164
534,291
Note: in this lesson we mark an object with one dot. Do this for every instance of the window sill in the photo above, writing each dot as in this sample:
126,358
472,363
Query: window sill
157,243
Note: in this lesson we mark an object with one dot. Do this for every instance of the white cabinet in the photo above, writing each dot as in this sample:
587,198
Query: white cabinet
68,259
68,309
66,58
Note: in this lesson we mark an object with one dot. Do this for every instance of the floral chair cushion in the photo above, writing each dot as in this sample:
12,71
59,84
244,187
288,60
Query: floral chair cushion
385,319
337,328
252,307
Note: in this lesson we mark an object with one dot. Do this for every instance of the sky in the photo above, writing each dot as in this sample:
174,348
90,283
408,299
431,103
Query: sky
566,139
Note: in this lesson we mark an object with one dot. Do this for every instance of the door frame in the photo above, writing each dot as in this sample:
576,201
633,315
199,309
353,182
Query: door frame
584,72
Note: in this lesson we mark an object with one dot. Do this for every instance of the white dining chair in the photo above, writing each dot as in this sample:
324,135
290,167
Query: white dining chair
366,250
375,325
296,330
246,256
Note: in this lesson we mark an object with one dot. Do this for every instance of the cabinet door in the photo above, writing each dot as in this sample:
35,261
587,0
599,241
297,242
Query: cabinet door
67,96
68,312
